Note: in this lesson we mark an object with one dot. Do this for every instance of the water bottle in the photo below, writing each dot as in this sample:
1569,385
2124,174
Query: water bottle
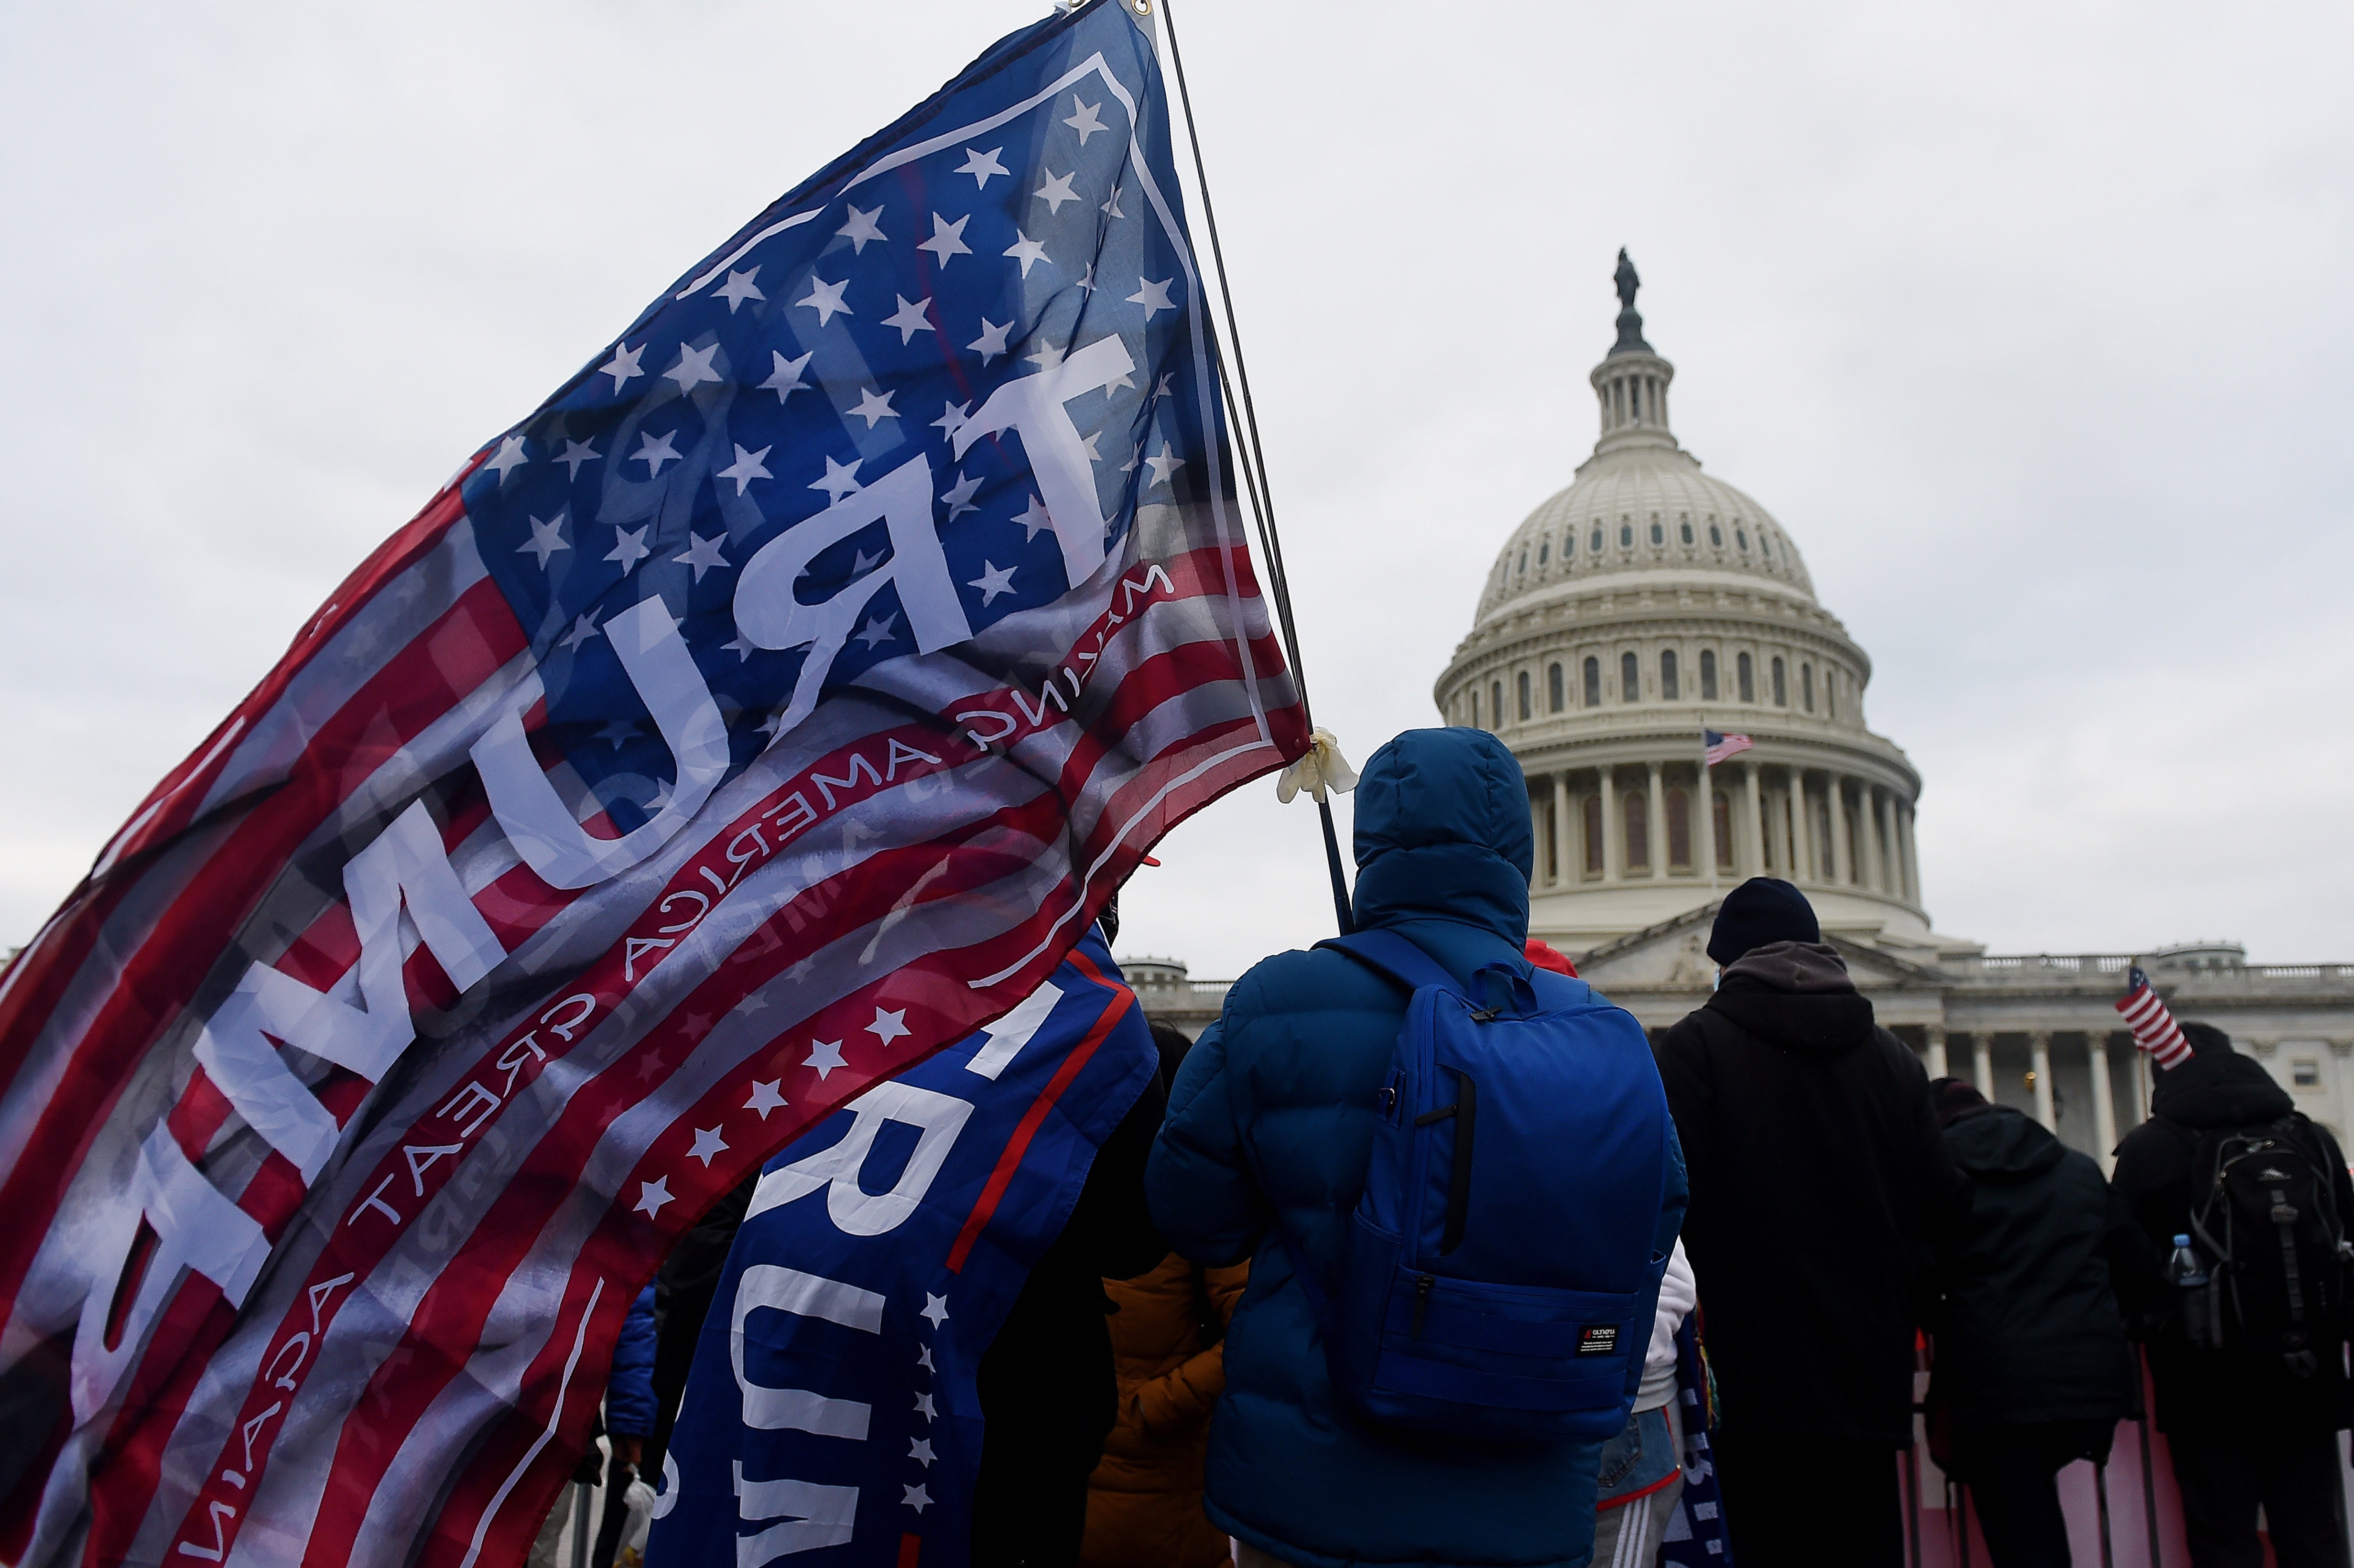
2195,1289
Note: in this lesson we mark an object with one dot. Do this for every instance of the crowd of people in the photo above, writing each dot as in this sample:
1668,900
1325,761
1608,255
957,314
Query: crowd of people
1171,1390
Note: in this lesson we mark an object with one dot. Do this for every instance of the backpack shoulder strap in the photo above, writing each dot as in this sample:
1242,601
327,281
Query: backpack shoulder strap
1387,953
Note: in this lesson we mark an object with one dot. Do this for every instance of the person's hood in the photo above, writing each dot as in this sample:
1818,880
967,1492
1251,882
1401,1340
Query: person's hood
1997,1143
1442,830
1796,995
2219,1089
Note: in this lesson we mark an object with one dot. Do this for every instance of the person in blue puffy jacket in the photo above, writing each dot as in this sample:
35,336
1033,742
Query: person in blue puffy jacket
1274,1114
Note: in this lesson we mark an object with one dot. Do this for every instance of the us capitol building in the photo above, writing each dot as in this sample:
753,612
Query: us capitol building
1651,600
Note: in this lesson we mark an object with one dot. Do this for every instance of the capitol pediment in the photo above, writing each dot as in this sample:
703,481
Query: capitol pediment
1673,957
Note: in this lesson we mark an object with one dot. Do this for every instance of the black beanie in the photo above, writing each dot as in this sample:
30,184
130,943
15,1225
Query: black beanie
2206,1039
1759,912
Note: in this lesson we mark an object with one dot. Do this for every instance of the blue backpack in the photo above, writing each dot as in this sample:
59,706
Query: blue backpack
1499,1276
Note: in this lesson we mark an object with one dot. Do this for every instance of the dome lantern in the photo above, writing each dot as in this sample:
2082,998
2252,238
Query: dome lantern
1631,382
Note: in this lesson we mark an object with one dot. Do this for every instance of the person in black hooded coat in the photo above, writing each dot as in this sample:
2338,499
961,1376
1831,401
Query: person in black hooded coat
2033,1368
2240,1428
1819,1183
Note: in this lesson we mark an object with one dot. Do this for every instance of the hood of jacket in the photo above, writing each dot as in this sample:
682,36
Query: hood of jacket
1997,1143
2219,1089
1794,995
1442,832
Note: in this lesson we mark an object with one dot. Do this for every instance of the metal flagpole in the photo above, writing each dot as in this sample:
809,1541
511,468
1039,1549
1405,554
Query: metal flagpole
1708,804
1253,454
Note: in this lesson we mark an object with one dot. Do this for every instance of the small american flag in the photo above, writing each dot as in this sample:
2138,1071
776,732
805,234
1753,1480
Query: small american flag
1723,746
2153,1029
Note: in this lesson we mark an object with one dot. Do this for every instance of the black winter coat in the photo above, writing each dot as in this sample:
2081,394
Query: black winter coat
1819,1185
2230,1393
2030,1331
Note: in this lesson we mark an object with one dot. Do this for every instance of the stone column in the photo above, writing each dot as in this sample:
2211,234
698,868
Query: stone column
1936,1035
2039,1058
2104,1107
1536,845
1982,1061
1911,864
1659,830
1868,859
1564,837
1802,828
1843,830
1613,859
1704,828
1749,843
1884,841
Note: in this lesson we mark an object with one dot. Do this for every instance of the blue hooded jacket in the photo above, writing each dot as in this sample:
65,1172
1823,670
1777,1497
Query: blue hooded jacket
1273,1114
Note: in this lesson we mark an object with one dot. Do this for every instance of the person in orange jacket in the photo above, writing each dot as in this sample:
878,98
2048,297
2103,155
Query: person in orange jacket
1168,1328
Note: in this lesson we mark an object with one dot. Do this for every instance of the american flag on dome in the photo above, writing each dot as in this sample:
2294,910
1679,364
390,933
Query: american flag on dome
775,705
2153,1029
1720,745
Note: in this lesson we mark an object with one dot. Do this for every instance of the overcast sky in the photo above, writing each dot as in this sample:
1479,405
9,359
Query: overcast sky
2030,324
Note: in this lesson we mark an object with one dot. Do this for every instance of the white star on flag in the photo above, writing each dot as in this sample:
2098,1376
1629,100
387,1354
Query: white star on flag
747,467
993,580
786,379
889,1026
826,299
958,498
509,456
878,632
871,408
652,1196
991,341
936,1308
909,318
1028,249
924,1407
624,365
1056,191
1153,297
694,367
708,1146
1085,121
920,1450
655,453
1035,520
739,287
629,546
765,1098
547,538
840,479
981,165
1164,465
575,454
824,1055
953,417
948,238
753,1002
863,228
704,554
915,1498
582,631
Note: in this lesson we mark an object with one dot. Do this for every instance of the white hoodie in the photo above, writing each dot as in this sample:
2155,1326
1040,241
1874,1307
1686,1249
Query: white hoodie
1677,1292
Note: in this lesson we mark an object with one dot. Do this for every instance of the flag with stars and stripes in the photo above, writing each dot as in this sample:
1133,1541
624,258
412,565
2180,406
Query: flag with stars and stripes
1717,748
834,1400
2153,1029
774,705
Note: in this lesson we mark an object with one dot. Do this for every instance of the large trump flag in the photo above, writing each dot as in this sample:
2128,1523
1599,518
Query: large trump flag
774,705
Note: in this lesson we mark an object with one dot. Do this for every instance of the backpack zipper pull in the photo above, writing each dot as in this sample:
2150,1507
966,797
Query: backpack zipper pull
1422,1300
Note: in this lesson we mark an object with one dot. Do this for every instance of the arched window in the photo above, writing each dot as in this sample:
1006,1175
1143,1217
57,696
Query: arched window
1723,831
1475,707
1679,852
1685,528
1496,702
1807,686
1669,688
1626,535
1831,690
1658,537
1592,816
1523,568
1522,681
1639,831
1594,544
1545,551
1781,691
1630,678
1593,683
1554,697
1747,676
1765,547
1708,674
1716,536
1740,537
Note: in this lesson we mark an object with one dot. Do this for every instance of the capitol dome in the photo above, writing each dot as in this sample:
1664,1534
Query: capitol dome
1644,605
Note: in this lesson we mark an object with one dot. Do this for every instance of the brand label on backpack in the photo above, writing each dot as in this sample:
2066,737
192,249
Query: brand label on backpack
1597,1339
